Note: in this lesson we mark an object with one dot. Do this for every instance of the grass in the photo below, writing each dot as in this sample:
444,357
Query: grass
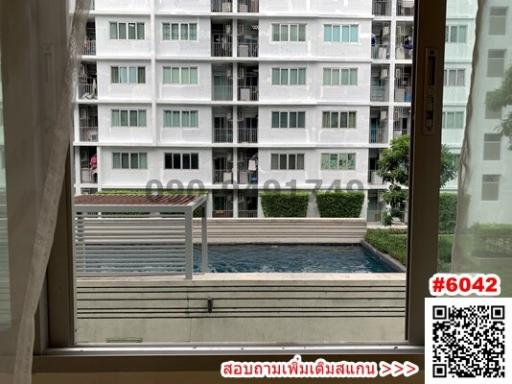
394,243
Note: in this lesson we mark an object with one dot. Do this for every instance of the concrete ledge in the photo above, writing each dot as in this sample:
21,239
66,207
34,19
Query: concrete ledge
389,260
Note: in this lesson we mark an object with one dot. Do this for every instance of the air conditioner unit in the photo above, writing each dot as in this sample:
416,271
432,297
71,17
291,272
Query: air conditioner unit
243,50
227,177
243,8
385,31
245,94
226,7
383,114
384,73
407,3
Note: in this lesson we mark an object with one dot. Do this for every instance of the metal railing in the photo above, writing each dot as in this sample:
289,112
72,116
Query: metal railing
402,53
380,51
222,6
398,133
379,93
247,213
89,47
248,6
378,136
403,94
223,92
223,135
87,90
222,213
247,49
222,49
223,176
248,93
374,215
247,177
374,178
88,175
247,134
381,7
405,8
89,134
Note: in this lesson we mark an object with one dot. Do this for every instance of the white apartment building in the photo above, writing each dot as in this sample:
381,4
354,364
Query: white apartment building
241,96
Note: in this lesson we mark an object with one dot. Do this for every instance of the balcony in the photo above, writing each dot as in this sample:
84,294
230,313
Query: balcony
405,8
248,125
222,204
381,7
247,82
380,40
374,178
403,83
248,6
222,125
379,89
404,40
248,93
378,126
247,39
88,119
89,47
248,166
224,6
222,39
248,203
402,122
87,85
222,166
246,49
88,165
222,87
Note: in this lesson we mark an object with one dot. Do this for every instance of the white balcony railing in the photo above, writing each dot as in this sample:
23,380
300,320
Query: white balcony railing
248,134
379,93
248,6
223,6
89,47
89,134
222,49
248,93
248,49
374,178
247,213
221,176
380,52
223,135
223,92
378,136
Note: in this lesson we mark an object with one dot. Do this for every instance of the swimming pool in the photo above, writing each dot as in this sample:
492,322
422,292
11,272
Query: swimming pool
292,259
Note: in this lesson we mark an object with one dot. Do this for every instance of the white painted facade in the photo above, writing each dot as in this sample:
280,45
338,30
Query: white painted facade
376,100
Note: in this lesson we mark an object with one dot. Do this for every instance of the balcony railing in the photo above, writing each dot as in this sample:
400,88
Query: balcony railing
405,8
222,49
88,175
222,213
374,178
380,51
247,213
247,134
223,92
248,93
248,6
374,215
87,90
403,94
89,134
248,50
222,176
378,136
247,177
89,47
223,135
381,7
402,53
379,93
222,6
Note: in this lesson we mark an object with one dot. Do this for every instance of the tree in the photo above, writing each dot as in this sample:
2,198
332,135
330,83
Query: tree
501,98
394,168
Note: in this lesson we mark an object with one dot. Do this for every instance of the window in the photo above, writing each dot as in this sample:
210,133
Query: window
287,161
498,20
453,120
491,113
492,146
128,118
179,31
490,187
496,63
181,119
288,119
181,75
339,76
454,77
338,161
346,33
339,119
181,161
128,75
129,160
456,34
130,31
288,32
288,76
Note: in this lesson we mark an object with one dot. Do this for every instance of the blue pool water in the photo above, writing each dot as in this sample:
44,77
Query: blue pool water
292,258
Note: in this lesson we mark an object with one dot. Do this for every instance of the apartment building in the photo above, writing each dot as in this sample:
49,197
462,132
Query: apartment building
240,96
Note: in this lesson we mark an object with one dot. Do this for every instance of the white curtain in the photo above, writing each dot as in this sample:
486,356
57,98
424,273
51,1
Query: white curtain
483,239
23,274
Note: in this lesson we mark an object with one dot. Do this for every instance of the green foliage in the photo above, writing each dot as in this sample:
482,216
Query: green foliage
394,163
284,204
447,212
493,240
387,220
391,243
444,252
501,98
448,166
340,204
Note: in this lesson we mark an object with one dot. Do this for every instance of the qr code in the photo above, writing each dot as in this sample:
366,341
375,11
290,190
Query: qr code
466,339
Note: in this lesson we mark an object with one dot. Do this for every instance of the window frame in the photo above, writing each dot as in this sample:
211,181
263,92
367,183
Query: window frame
136,30
57,303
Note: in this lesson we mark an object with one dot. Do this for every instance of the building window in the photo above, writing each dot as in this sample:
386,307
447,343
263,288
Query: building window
179,31
129,160
496,63
181,119
492,146
128,117
339,120
454,77
181,75
339,76
498,21
346,33
124,31
338,161
128,75
288,32
287,161
491,113
181,161
288,76
288,119
453,120
490,187
456,34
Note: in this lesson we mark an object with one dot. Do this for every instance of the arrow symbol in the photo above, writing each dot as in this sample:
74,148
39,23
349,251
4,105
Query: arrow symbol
385,369
410,369
398,368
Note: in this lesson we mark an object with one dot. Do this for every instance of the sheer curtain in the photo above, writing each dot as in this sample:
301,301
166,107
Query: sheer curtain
32,216
483,238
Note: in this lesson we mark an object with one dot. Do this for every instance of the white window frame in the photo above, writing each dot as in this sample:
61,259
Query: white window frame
282,32
496,62
129,73
341,33
181,74
285,119
283,161
492,147
452,118
131,164
490,188
498,21
455,77
181,155
181,116
350,158
137,32
141,117
289,76
350,117
455,32
340,77
180,28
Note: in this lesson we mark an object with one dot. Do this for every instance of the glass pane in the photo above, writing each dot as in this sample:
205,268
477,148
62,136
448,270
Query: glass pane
294,77
194,119
131,31
125,161
133,119
175,31
275,32
274,162
167,75
194,76
293,119
284,120
283,162
284,76
116,160
302,76
327,32
140,31
168,119
336,33
175,75
113,30
116,118
123,75
122,30
302,32
166,31
354,33
294,32
284,32
275,120
185,75
184,31
176,119
301,120
345,34
185,119
134,161
124,118
276,76
193,32
132,75
327,78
